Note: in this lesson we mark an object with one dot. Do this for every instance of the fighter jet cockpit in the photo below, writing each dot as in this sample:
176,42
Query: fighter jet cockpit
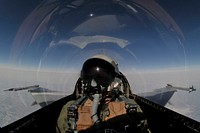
64,50
102,101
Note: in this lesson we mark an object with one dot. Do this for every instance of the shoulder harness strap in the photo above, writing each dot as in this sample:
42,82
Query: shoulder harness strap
72,113
134,110
131,106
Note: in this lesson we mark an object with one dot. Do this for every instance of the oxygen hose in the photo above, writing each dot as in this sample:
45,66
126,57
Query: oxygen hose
94,115
95,105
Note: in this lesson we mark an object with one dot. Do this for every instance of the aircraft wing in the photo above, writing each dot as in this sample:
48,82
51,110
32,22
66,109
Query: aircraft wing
160,96
44,96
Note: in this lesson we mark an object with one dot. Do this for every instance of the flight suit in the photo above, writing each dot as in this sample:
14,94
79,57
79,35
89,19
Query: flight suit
113,115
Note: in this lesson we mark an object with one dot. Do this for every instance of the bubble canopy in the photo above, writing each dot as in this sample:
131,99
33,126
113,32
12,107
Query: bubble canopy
64,34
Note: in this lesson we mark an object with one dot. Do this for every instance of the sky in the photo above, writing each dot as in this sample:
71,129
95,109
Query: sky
146,63
186,14
12,15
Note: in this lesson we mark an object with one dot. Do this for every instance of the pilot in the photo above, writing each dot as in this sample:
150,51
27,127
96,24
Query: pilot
103,103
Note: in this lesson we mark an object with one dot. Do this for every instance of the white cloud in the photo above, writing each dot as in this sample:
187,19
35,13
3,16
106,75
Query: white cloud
55,80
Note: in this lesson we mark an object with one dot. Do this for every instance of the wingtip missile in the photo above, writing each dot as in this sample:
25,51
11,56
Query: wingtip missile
22,88
189,89
11,89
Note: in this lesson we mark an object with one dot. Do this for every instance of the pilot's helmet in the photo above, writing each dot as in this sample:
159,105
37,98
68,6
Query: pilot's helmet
100,69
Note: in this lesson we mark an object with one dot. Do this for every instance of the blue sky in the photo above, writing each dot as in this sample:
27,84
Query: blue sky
12,15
